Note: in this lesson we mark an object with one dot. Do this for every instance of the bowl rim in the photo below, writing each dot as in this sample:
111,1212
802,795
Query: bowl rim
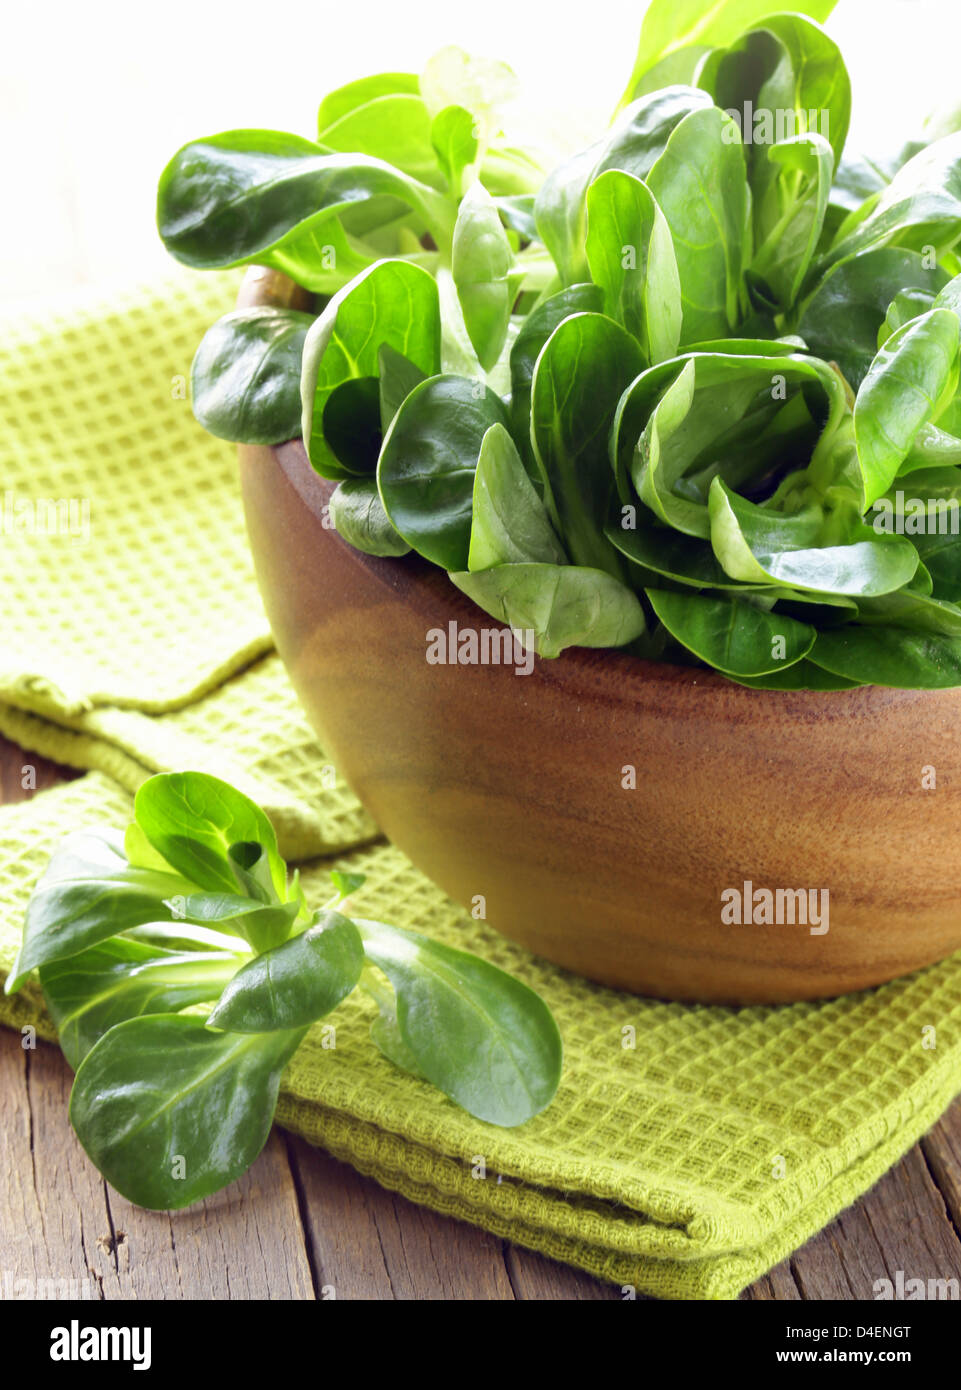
417,579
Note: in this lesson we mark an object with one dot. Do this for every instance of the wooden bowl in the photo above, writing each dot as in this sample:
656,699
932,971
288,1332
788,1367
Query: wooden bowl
513,792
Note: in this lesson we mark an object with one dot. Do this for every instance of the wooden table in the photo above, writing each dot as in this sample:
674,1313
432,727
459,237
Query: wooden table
300,1225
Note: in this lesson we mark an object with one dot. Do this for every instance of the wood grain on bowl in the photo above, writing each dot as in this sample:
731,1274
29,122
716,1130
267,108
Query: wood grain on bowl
517,788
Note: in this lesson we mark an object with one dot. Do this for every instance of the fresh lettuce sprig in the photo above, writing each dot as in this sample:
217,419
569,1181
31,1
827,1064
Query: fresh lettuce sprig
183,967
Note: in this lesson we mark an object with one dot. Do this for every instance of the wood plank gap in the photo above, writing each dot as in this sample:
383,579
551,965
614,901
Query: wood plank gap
507,1252
303,1215
798,1283
949,1214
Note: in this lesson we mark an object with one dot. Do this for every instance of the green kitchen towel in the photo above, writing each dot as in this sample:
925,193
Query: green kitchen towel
688,1148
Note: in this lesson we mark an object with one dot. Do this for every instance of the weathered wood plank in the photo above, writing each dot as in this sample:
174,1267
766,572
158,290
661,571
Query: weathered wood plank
346,1255
369,1243
53,1211
901,1224
535,1277
779,1286
942,1150
243,1243
58,1219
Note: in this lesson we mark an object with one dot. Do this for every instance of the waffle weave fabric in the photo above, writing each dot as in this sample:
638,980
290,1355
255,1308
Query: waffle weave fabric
684,1165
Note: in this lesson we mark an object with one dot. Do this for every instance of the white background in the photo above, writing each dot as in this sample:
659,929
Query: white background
96,96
